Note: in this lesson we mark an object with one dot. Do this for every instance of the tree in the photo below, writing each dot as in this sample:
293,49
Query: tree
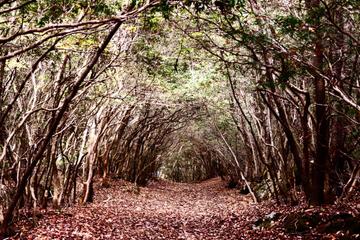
54,108
286,50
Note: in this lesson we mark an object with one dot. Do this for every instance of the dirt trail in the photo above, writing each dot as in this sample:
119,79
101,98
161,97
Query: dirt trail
163,210
207,210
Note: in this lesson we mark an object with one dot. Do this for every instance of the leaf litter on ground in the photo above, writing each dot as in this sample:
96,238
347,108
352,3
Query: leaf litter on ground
168,210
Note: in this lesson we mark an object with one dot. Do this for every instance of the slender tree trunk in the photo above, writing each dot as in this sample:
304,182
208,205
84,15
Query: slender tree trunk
52,129
2,126
340,123
56,180
306,147
321,160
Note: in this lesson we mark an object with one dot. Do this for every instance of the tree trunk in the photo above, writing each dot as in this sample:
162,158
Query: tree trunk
321,159
52,129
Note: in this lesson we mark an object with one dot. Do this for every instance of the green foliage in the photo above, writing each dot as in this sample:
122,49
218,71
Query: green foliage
267,85
103,9
152,22
287,71
289,24
315,15
164,8
251,38
237,3
50,11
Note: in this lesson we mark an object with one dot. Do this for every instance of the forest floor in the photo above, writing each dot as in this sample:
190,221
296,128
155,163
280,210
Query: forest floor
167,210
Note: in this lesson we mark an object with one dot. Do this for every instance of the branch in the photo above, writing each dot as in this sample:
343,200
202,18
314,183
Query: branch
343,96
26,79
16,7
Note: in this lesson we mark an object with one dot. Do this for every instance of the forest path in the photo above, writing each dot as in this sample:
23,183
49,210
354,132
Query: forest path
163,210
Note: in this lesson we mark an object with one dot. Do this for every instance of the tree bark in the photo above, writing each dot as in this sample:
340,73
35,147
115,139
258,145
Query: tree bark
321,160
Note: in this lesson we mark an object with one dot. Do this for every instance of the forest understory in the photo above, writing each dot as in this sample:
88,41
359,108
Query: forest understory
205,210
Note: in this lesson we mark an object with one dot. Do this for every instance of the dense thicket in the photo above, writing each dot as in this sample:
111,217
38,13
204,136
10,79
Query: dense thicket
299,121
263,94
